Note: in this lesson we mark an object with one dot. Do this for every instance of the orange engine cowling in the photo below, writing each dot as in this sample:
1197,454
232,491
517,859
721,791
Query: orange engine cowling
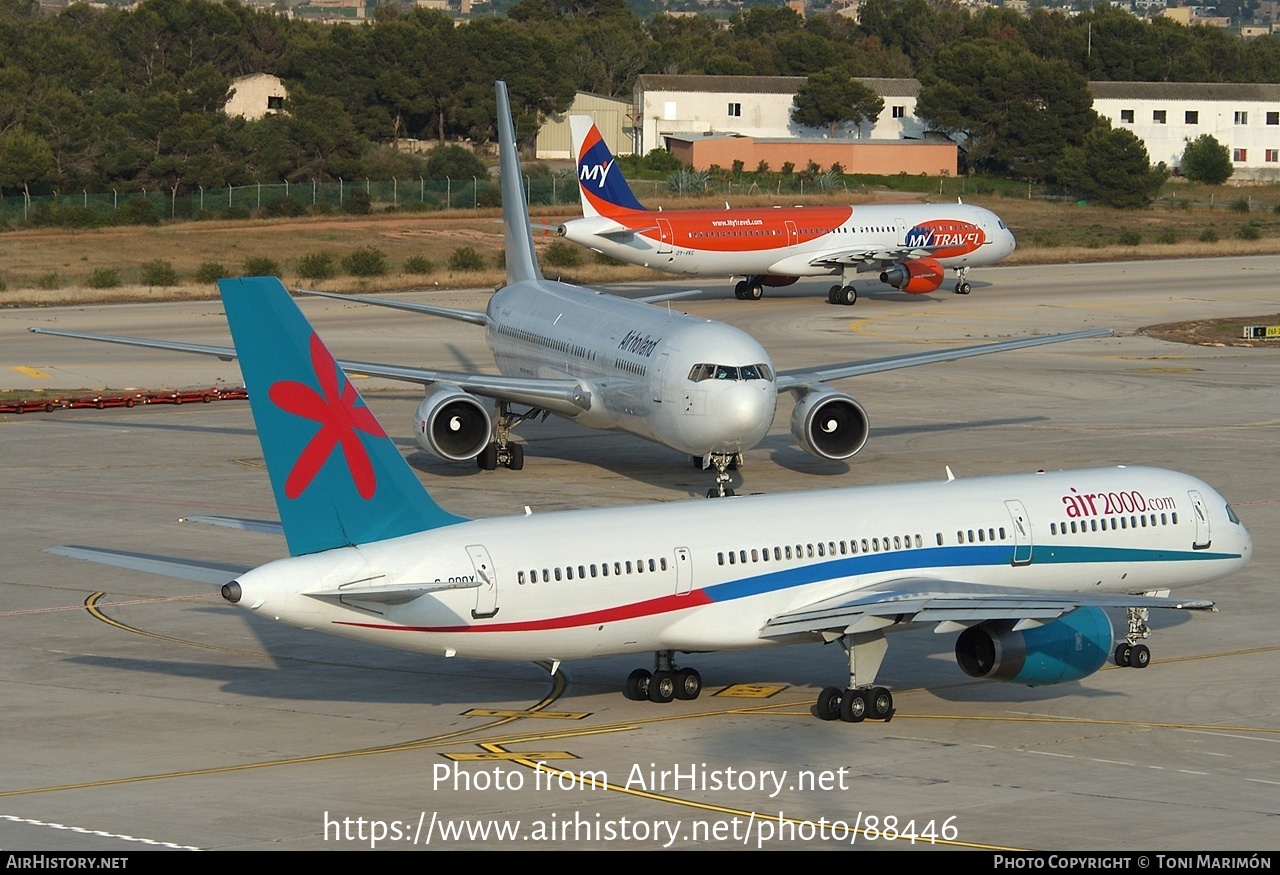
917,276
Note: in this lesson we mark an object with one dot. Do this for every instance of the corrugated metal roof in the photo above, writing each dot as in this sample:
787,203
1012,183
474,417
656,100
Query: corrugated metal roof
1250,91
764,84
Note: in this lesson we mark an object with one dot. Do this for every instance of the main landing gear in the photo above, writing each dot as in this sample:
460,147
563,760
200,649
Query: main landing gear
846,295
750,289
859,700
723,463
502,450
665,682
1129,653
962,281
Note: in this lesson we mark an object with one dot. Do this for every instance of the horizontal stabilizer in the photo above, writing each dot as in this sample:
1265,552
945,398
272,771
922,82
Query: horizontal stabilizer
214,573
398,594
269,527
669,296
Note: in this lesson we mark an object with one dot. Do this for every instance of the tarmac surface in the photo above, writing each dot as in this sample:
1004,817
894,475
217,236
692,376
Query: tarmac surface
144,712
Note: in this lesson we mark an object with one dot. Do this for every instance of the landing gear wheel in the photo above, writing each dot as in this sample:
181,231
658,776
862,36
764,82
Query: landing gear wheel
1123,655
637,689
853,706
740,291
713,492
848,296
1140,657
488,458
833,295
662,688
829,703
962,288
879,704
516,462
753,293
688,684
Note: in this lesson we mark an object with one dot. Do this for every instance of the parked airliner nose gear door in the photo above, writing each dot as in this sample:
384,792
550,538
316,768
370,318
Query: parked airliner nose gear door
487,592
1021,532
1204,537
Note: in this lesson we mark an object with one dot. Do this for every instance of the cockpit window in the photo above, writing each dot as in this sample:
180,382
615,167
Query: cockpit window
1231,515
759,371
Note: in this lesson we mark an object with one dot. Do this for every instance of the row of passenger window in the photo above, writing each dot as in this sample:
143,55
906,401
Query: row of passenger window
583,572
819,549
548,342
630,367
1110,524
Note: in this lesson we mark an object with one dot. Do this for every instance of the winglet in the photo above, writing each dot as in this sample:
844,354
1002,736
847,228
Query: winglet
604,190
522,263
338,479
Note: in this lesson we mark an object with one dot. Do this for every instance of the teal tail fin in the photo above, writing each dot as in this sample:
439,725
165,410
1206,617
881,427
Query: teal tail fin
522,263
338,479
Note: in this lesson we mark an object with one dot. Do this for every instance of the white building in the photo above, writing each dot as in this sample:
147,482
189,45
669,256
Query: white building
755,106
254,96
1165,115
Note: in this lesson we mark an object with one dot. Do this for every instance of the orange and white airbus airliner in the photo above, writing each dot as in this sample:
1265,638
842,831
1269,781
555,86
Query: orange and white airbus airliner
912,245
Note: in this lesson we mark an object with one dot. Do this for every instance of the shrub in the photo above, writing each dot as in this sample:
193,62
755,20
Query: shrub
561,254
1249,232
317,266
260,265
1206,160
48,280
454,162
365,261
138,211
1167,235
286,206
158,273
418,264
210,272
1208,235
1129,237
465,258
3,287
1239,205
357,203
236,212
104,278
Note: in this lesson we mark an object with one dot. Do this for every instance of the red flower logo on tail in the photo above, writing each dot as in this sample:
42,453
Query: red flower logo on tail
339,418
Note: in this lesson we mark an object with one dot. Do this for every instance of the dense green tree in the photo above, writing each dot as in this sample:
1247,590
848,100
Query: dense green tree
1206,160
1111,167
1013,112
24,158
831,98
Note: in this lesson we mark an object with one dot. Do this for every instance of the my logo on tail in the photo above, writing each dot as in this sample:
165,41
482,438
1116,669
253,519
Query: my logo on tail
335,408
588,173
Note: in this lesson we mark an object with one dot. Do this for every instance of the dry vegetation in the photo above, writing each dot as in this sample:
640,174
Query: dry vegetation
56,266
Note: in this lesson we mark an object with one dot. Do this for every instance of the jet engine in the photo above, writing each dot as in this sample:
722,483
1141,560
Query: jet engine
1067,649
452,424
829,424
916,276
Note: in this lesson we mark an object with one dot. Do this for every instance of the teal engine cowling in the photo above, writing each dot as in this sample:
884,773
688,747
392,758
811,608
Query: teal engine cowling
1069,648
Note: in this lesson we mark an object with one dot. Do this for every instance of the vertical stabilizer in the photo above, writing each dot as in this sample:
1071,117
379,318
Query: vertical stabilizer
522,264
600,182
338,479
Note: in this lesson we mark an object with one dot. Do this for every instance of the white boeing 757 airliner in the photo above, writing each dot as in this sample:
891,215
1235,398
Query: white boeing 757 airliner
1020,566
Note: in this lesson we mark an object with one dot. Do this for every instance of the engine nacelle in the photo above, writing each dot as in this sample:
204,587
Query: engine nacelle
1069,648
829,424
452,424
915,276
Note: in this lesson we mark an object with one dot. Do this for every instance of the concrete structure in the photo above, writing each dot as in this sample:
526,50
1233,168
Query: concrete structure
1165,115
881,157
756,106
611,115
255,95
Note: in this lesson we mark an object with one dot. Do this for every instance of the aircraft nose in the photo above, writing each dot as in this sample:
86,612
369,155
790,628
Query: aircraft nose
743,415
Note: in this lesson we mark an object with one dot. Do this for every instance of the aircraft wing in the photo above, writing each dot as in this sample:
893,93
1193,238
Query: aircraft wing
871,255
799,379
475,317
567,397
955,604
215,573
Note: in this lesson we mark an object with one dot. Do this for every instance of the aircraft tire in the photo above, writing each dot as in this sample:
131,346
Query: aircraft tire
853,706
488,458
828,707
879,704
848,296
753,293
963,288
637,688
833,295
662,688
1141,656
740,291
688,684
516,462
1123,654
